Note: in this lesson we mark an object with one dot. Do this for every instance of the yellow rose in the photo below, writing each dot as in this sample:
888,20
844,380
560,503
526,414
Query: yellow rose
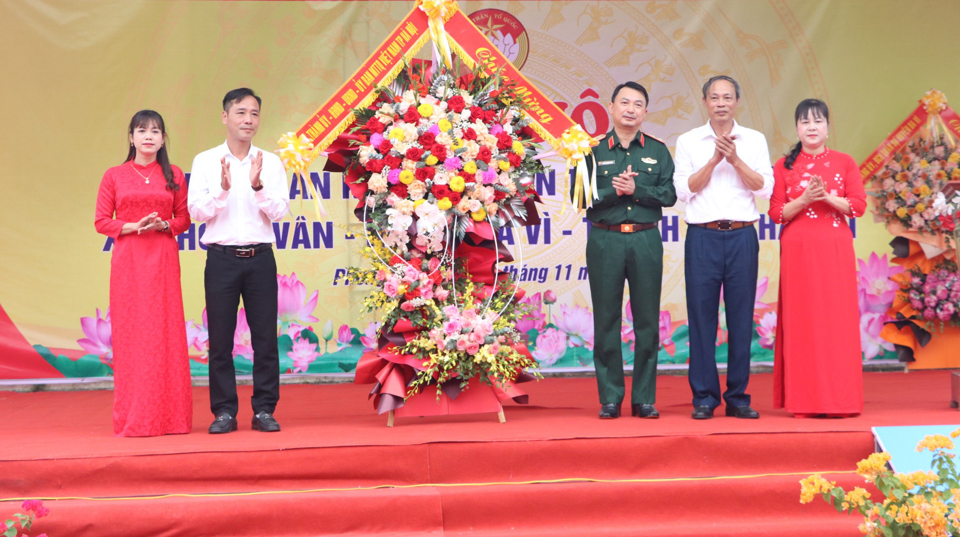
504,165
457,183
396,133
407,177
470,167
921,207
425,110
924,163
444,125
444,204
954,158
418,203
924,190
902,212
431,160
518,148
479,215
457,144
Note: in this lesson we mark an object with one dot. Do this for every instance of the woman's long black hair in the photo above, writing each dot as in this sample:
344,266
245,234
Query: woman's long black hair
814,107
147,118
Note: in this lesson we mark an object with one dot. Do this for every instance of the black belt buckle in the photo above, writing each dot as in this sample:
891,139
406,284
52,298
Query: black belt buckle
724,225
245,252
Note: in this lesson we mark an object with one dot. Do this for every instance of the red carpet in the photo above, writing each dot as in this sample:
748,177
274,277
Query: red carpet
460,475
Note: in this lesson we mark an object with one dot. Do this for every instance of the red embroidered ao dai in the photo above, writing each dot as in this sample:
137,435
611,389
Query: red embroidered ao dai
151,370
818,366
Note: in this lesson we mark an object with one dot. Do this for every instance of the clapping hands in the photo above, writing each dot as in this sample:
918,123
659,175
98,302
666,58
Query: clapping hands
624,183
151,222
815,191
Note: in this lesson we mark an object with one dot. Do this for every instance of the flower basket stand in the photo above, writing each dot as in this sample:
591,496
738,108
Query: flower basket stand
477,398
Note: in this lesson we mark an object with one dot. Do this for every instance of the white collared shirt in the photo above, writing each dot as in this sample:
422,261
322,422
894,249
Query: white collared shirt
240,215
725,196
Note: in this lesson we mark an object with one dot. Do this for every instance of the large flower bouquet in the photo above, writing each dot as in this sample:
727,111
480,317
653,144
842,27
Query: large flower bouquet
916,504
905,189
934,296
443,161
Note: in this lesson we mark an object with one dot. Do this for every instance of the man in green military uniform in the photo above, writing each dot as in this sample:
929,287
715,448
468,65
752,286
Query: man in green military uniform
634,182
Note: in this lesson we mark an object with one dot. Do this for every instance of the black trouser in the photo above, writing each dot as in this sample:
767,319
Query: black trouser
226,278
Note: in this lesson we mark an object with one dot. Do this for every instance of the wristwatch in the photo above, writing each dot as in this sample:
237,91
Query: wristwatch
257,188
166,226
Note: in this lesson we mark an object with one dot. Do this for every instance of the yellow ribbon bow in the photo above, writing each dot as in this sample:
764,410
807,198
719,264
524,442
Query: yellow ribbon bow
438,12
934,102
574,145
297,153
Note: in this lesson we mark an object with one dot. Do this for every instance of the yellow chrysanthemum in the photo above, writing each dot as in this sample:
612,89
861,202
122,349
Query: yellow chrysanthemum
457,184
935,442
457,144
925,190
407,177
503,165
924,163
444,204
426,110
954,158
431,160
921,207
518,148
396,133
470,167
478,216
444,125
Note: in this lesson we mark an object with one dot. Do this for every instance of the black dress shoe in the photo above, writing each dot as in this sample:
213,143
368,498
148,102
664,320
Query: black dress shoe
223,424
645,411
743,412
609,412
702,413
265,422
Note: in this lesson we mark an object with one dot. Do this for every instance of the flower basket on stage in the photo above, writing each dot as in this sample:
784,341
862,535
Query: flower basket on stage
911,176
441,156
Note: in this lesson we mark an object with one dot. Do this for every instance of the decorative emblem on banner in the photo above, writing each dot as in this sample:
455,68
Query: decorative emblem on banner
506,32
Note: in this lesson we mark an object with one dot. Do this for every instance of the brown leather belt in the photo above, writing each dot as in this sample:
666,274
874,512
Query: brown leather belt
725,225
241,251
625,228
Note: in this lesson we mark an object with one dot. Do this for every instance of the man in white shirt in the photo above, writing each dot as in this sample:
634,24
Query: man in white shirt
238,190
721,168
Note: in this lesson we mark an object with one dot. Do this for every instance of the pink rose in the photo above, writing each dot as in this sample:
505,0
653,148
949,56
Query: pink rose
407,306
441,294
452,327
462,343
472,349
390,287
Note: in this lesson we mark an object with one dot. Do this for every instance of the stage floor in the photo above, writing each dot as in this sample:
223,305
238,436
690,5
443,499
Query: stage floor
57,425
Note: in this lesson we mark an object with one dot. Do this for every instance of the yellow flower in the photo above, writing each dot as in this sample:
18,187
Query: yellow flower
902,212
444,125
396,133
418,203
426,110
935,442
954,157
855,498
518,147
470,167
457,184
407,177
924,163
875,464
956,433
812,486
925,191
955,174
504,166
431,160
921,207
457,144
478,216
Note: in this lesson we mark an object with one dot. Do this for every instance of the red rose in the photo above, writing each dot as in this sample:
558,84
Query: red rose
393,161
476,113
439,151
410,295
514,159
374,165
414,153
499,195
399,189
469,134
456,103
425,173
385,147
465,80
454,197
374,125
489,116
484,154
441,191
947,222
427,139
412,116
504,141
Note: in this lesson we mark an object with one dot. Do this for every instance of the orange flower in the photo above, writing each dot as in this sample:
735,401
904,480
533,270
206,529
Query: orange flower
891,195
903,177
916,190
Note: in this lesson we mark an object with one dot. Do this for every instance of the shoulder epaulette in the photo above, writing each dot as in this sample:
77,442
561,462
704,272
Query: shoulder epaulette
648,135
